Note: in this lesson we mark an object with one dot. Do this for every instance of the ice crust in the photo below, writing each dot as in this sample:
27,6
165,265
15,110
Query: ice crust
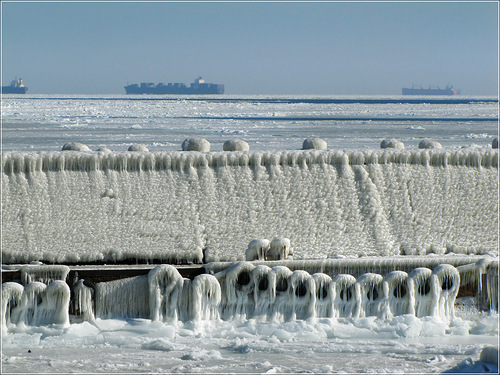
74,207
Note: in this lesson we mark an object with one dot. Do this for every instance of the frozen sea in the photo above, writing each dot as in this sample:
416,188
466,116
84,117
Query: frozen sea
401,344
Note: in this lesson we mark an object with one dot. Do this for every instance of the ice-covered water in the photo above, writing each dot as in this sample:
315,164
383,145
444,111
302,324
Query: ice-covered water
352,200
45,122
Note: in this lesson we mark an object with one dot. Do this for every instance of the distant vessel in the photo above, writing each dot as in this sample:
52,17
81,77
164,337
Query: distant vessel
199,86
449,90
16,87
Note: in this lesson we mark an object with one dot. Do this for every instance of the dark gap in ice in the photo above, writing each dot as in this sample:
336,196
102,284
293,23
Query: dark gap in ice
263,284
447,283
399,291
322,293
424,289
243,278
281,285
301,290
346,294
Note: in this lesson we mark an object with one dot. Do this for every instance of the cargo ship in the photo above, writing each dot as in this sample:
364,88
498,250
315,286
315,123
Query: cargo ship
16,87
198,87
449,90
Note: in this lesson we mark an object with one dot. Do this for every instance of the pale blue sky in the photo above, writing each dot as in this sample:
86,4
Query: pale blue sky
329,48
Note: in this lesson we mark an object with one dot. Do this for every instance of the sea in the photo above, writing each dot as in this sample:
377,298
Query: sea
36,127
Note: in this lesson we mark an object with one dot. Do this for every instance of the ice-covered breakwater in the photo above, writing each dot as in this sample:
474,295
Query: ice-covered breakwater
77,207
243,290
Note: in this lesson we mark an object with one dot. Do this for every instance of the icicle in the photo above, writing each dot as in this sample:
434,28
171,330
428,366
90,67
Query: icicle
54,308
492,286
344,303
31,300
396,294
324,295
369,295
83,300
11,299
422,294
206,297
447,282
282,308
43,274
165,288
237,290
123,298
264,290
302,294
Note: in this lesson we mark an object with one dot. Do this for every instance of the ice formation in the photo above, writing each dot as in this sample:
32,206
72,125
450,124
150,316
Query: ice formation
257,249
75,146
165,288
370,295
396,293
427,144
387,202
35,304
196,144
241,291
392,143
138,148
279,249
446,280
421,292
314,144
43,273
235,145
344,303
84,296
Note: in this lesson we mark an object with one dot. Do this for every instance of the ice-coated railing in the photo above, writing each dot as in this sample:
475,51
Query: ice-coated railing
241,291
184,207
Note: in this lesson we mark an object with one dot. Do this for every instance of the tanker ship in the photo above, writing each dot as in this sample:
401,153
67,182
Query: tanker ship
198,87
16,87
449,90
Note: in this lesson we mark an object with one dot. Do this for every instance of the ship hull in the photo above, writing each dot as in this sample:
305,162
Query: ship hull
173,89
412,91
14,90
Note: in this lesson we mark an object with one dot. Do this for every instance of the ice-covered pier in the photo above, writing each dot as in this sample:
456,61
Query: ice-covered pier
194,207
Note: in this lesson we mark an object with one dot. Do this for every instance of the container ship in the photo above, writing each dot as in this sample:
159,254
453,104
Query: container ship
198,87
449,90
16,87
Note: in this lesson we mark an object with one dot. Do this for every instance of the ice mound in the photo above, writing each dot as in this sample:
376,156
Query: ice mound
257,249
138,148
196,144
104,150
494,143
314,144
392,143
235,145
279,249
75,146
428,144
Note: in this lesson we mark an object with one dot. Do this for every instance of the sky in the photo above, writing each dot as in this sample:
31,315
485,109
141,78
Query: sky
323,48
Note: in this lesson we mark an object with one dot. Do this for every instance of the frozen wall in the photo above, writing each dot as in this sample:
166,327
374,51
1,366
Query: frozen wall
170,206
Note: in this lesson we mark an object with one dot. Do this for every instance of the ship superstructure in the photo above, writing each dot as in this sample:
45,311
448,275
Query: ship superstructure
449,90
15,87
198,87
